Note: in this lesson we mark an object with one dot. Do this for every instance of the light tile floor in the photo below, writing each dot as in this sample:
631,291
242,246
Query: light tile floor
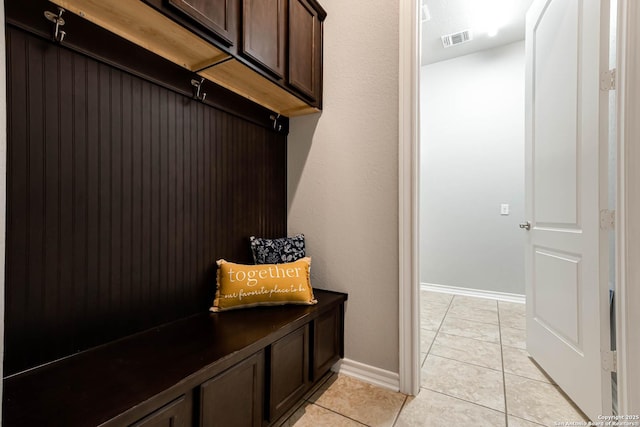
475,372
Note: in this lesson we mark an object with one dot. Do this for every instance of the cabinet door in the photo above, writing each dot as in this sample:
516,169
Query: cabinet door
174,414
289,366
264,37
305,49
235,397
219,16
327,341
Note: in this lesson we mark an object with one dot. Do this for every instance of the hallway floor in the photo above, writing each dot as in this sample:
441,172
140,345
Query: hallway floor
475,371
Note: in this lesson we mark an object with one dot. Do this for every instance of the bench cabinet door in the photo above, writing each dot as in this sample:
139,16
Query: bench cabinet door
289,367
235,397
174,414
327,341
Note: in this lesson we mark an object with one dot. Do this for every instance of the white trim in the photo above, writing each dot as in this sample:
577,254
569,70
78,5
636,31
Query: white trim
408,158
627,296
370,374
478,293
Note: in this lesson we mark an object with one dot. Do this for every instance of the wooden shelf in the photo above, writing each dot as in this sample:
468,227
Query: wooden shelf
142,25
239,78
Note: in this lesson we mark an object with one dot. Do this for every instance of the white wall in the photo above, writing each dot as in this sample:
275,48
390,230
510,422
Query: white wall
472,161
343,176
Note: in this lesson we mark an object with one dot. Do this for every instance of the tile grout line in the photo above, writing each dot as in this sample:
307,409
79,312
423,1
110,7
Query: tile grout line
404,402
504,380
306,398
493,369
471,338
455,397
460,317
338,413
529,421
437,331
468,363
462,400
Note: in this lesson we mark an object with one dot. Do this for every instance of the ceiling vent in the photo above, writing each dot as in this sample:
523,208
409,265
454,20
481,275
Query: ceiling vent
456,38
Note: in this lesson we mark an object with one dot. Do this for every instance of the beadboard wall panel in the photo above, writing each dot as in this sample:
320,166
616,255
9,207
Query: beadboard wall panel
121,195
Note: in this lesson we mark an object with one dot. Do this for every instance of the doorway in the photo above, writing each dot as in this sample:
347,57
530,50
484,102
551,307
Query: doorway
447,202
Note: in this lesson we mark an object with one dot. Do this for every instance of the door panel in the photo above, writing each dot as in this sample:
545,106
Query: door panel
557,293
555,124
567,310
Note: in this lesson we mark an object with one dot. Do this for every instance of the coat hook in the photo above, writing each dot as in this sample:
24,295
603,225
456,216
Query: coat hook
58,34
197,85
276,126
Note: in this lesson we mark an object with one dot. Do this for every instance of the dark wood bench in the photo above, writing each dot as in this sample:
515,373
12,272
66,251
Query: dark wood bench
244,367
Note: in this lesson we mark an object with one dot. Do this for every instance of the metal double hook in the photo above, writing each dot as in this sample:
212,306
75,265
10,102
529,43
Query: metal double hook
276,126
58,20
197,85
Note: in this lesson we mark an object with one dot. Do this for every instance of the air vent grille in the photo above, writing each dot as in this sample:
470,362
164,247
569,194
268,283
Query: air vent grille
457,38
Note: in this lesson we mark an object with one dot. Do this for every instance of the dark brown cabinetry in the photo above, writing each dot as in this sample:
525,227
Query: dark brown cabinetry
234,398
264,34
289,367
267,51
273,27
305,48
274,47
239,368
218,16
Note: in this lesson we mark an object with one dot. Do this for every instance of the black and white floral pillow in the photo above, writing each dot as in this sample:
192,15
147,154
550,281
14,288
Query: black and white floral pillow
277,251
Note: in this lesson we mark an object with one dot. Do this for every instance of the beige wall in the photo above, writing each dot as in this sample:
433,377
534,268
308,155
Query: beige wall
343,176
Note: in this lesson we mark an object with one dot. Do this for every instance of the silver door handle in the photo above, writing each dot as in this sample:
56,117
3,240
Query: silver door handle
525,225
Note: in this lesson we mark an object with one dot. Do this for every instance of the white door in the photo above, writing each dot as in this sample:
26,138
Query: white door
566,256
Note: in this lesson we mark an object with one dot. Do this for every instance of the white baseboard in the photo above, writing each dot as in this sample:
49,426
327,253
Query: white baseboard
500,296
367,373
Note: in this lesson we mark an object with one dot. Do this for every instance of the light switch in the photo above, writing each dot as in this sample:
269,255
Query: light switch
504,209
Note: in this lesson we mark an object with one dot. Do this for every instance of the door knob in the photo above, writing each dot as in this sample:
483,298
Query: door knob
525,225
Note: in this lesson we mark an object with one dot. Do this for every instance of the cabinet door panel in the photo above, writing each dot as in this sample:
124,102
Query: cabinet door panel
327,346
305,49
289,371
174,414
235,397
219,16
264,37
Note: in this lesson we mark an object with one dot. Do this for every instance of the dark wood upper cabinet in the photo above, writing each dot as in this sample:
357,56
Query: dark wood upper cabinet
219,16
305,48
264,34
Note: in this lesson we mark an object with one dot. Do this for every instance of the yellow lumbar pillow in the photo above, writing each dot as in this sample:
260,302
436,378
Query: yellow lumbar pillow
240,286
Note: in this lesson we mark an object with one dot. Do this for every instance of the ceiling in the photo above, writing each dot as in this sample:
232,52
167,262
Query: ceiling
481,16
